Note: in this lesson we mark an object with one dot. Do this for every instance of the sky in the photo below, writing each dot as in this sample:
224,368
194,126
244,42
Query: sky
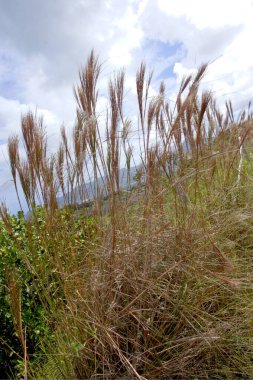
44,43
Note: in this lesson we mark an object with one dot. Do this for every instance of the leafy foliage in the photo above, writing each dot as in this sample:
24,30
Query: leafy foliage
150,281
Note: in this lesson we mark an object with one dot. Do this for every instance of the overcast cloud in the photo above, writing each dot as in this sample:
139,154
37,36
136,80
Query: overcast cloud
43,44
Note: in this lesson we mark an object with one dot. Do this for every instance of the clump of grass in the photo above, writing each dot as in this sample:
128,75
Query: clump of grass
158,283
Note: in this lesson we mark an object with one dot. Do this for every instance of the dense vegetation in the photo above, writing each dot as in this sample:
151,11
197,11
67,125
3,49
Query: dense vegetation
157,284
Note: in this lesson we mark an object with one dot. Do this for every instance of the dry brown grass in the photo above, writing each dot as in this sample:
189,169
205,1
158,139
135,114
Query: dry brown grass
164,289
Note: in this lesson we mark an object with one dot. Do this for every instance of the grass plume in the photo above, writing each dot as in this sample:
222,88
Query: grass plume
157,284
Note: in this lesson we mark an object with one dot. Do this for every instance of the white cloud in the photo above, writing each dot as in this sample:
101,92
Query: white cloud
43,43
209,14
120,53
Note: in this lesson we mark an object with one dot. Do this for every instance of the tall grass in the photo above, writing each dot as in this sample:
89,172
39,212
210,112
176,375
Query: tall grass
157,284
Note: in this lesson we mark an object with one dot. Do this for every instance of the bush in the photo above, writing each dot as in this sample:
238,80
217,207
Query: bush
157,282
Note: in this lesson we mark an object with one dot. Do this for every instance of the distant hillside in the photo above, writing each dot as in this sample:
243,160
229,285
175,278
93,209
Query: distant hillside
89,188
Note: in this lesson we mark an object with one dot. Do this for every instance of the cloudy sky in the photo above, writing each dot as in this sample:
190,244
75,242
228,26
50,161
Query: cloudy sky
43,44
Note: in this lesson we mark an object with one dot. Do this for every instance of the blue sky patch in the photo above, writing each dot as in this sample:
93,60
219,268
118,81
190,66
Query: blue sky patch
9,87
164,55
167,73
162,49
